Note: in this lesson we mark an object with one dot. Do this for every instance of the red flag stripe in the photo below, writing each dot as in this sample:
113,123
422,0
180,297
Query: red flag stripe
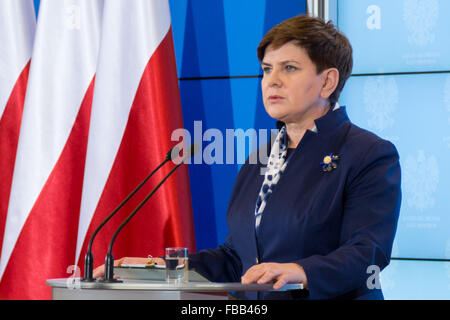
42,249
9,133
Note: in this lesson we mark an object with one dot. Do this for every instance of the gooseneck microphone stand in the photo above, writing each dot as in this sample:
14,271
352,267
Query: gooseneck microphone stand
88,258
109,259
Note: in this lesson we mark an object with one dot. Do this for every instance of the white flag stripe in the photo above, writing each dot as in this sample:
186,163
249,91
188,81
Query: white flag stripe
17,25
63,65
118,75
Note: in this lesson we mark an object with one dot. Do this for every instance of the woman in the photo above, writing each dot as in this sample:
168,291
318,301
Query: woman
324,210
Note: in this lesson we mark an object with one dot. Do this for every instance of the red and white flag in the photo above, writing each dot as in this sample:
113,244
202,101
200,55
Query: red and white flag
17,27
136,107
42,219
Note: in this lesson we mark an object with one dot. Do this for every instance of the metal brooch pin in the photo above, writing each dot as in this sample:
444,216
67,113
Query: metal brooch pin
329,162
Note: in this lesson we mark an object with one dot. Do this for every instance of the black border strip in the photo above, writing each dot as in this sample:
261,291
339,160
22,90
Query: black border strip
421,259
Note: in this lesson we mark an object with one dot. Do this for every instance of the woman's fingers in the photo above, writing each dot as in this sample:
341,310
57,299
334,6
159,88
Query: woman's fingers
260,273
99,272
281,282
132,260
269,276
279,273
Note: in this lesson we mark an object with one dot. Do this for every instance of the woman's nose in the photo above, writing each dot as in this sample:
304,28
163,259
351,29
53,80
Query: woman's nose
274,79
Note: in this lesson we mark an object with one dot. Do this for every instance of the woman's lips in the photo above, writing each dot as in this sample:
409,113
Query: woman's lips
275,98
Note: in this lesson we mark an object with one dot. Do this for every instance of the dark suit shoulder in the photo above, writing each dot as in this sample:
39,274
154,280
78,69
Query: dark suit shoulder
360,135
366,141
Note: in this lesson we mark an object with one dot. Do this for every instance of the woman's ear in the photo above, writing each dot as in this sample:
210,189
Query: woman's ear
330,82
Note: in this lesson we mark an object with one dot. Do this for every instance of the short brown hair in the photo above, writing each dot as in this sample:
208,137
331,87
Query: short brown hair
324,44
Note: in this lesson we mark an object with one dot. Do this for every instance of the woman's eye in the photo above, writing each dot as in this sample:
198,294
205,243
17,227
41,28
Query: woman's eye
266,69
290,68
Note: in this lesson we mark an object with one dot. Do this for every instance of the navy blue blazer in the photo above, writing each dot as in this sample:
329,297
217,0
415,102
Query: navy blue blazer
334,224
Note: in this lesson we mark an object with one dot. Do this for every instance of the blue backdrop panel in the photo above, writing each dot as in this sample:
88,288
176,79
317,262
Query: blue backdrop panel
219,38
412,111
397,36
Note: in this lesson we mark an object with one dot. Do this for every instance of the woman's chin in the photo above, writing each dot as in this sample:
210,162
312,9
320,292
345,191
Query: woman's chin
278,116
276,113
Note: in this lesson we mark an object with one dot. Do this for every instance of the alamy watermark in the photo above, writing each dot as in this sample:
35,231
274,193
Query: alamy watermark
73,282
373,281
226,147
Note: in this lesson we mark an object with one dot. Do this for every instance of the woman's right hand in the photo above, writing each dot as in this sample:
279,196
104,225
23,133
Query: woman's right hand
99,272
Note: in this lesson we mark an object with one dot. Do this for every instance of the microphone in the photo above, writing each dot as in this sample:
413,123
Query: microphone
109,259
88,258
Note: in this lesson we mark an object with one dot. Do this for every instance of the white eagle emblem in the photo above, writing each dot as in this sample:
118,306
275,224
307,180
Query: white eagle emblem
380,99
421,178
420,17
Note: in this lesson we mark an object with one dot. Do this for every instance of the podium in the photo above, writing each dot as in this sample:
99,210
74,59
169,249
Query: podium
130,289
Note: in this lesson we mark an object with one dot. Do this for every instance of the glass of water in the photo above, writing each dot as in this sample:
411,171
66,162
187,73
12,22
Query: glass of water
176,265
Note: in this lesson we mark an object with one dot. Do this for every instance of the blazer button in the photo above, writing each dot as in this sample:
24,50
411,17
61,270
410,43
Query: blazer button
257,261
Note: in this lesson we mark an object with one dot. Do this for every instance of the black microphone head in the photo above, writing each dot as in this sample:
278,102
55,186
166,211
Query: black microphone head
188,152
